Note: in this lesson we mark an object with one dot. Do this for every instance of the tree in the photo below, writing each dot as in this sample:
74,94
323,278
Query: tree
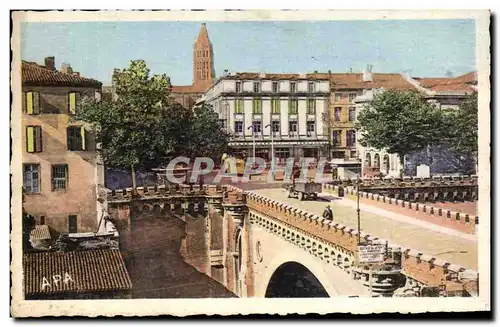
401,122
141,126
205,136
464,126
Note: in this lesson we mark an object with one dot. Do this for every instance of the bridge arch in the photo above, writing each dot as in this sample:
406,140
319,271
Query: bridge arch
308,270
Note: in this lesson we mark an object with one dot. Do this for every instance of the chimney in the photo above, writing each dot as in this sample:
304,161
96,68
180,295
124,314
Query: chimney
66,68
367,74
50,63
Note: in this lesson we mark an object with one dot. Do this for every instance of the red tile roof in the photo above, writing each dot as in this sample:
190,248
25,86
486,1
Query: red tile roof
449,84
78,271
379,80
187,89
34,74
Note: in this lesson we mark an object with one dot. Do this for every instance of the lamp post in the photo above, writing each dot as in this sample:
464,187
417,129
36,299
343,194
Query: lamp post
357,203
253,143
272,146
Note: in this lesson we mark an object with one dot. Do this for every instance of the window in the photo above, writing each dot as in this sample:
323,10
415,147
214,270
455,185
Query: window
293,87
32,103
352,96
338,97
238,127
31,178
76,138
292,126
257,127
338,111
311,106
282,153
72,224
59,177
311,87
238,106
72,102
276,87
351,138
292,107
33,139
275,106
337,138
352,114
311,126
257,106
338,154
256,86
42,220
238,87
276,126
353,154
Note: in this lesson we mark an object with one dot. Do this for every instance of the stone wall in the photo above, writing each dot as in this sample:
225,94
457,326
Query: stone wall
441,160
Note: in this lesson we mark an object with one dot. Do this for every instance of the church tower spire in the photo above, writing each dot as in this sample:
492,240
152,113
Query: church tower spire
204,72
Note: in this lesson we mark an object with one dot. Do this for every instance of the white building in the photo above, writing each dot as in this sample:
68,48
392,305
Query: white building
289,109
371,158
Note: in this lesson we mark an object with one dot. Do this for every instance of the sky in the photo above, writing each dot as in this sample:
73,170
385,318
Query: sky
425,48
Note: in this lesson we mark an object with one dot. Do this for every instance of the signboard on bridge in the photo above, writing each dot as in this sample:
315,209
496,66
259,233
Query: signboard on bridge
371,253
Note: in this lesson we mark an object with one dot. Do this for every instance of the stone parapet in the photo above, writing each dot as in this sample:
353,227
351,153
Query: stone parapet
390,182
447,218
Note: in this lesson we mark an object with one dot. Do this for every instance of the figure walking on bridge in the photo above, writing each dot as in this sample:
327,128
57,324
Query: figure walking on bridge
328,213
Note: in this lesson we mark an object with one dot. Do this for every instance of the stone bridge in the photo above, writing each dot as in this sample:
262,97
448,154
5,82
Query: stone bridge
259,247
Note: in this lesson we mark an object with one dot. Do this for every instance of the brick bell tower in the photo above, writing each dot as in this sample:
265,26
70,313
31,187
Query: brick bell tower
204,72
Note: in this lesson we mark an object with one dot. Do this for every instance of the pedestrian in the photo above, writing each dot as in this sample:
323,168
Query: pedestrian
328,213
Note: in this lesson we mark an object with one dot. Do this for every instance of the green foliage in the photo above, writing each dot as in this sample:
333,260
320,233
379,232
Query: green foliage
462,135
143,127
205,137
401,122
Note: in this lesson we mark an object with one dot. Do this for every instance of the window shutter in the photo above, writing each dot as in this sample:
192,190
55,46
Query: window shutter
69,138
38,138
30,138
36,103
29,103
72,102
82,133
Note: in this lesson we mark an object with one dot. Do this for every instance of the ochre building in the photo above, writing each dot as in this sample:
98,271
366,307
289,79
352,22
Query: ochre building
60,169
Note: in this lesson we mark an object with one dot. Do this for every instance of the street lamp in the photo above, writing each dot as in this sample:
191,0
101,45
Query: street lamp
357,202
253,142
272,146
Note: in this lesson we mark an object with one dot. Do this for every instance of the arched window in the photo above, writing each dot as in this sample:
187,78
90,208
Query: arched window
368,159
387,164
238,248
376,163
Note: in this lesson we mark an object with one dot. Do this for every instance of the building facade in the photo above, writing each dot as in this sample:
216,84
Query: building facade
344,89
60,168
288,110
446,94
203,72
